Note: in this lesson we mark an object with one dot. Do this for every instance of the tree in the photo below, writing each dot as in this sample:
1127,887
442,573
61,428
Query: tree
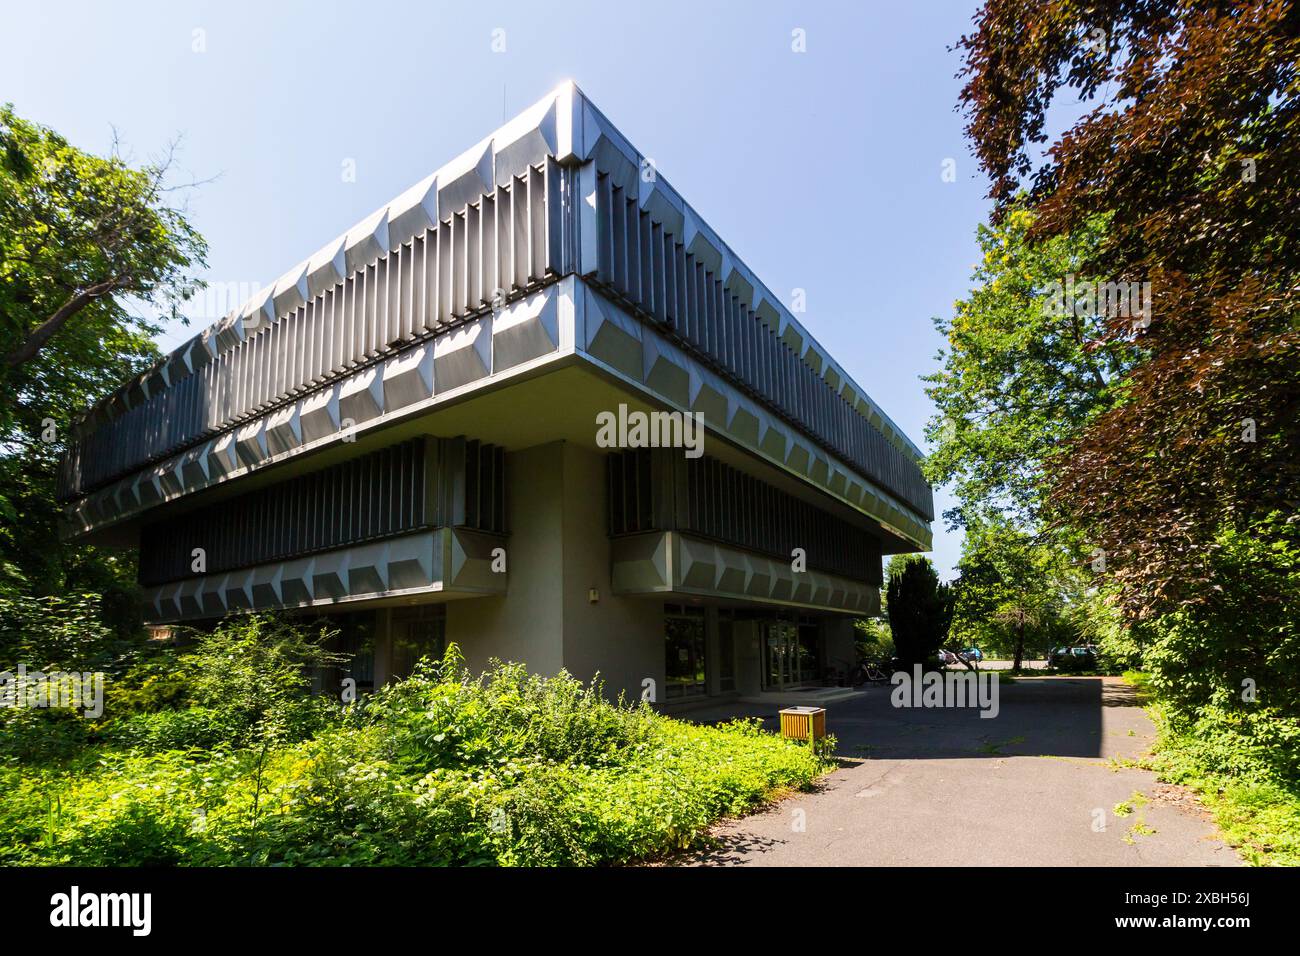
57,632
1190,152
919,607
79,234
82,239
1014,591
1018,376
872,640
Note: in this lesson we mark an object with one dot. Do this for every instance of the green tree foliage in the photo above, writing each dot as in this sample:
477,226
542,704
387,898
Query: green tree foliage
1014,593
85,243
919,607
872,640
1190,153
1017,377
65,632
80,235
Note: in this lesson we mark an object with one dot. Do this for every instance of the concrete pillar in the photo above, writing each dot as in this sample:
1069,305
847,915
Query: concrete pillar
838,636
621,637
749,658
383,646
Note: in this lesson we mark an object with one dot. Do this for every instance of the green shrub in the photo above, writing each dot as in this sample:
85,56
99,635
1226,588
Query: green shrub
49,632
442,716
257,669
441,769
1244,634
160,682
1243,768
1223,675
194,727
247,679
41,735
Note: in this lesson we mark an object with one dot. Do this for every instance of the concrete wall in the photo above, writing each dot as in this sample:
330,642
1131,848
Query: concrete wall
558,551
526,623
838,636
621,637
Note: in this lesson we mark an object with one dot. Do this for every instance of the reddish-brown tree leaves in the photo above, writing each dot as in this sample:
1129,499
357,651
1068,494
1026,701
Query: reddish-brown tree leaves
1193,148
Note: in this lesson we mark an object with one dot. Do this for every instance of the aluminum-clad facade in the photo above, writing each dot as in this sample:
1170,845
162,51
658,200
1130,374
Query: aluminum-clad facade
499,222
377,424
259,358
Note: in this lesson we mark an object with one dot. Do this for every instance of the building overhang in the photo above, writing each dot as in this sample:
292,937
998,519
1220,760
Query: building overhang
440,564
434,386
663,563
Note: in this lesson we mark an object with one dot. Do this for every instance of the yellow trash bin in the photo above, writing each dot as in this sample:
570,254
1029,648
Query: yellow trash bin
798,722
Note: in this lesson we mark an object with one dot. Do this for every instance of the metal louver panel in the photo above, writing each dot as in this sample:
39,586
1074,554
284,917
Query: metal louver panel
503,245
655,490
728,335
392,491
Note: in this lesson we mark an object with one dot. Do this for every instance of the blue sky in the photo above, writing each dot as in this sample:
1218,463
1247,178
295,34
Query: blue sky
822,169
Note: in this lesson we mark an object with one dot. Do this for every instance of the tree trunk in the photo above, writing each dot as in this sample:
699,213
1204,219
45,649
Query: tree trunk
1020,647
37,338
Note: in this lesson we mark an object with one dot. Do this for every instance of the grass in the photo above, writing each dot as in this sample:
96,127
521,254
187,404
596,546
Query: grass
1260,817
1257,813
994,748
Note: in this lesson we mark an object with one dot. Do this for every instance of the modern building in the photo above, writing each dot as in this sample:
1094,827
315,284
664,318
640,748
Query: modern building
404,431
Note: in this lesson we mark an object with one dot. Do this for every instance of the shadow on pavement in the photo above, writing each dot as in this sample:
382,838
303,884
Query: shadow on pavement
734,847
1055,716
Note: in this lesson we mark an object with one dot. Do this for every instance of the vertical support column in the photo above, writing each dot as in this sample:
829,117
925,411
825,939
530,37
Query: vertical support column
383,646
711,651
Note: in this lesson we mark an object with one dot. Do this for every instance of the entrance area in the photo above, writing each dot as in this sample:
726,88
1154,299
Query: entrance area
791,652
712,650
684,658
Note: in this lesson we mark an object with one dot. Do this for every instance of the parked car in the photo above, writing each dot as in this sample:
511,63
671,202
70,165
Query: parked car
1077,657
971,654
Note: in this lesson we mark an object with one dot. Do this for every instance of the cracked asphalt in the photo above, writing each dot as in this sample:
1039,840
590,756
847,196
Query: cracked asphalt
1038,786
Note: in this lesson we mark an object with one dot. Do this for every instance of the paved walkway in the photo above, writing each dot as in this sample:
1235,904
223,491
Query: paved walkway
943,787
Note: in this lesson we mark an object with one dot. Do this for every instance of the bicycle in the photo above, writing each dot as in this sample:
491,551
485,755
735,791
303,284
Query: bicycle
872,672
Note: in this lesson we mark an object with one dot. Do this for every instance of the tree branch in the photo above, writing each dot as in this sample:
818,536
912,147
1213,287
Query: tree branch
36,340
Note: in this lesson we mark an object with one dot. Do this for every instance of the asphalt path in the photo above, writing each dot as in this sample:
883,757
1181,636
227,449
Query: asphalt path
1044,783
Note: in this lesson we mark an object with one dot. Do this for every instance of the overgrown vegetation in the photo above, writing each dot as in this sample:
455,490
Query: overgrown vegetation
1117,402
1236,774
230,760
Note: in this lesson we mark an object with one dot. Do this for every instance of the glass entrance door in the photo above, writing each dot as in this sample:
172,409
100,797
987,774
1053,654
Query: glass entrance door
780,654
790,653
684,664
